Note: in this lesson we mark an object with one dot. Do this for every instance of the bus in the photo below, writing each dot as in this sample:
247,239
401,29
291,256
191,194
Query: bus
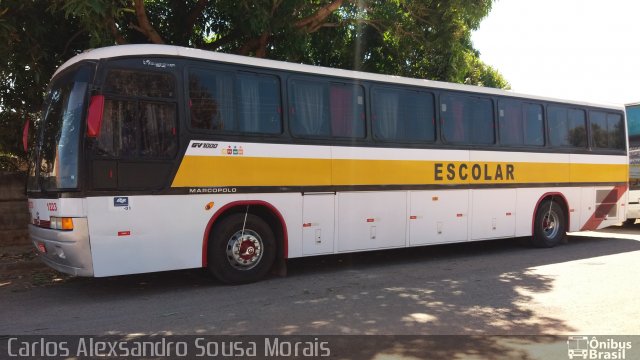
153,158
633,126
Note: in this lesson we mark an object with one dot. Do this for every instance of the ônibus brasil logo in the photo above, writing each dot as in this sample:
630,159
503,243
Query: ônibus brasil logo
581,347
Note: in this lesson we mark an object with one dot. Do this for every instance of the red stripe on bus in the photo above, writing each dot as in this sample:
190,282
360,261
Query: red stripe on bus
612,200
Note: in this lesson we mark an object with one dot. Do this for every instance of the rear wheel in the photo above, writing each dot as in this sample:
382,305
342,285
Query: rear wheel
550,225
241,251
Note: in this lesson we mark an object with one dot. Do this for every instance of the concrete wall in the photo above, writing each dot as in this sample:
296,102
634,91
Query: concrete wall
14,215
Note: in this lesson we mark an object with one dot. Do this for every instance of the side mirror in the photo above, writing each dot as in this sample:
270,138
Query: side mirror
94,116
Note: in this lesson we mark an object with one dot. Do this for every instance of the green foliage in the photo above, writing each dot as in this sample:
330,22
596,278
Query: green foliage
417,38
33,42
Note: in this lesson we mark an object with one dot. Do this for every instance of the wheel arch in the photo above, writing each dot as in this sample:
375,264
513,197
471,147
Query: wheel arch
260,208
564,204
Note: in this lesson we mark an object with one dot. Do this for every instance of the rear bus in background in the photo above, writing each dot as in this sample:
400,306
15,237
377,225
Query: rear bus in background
153,158
633,129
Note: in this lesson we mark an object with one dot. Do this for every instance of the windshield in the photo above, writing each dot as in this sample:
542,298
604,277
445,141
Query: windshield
56,154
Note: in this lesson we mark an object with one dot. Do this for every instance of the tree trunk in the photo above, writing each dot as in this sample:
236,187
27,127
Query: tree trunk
144,26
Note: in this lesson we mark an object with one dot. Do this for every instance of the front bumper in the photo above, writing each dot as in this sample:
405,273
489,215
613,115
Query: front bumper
66,251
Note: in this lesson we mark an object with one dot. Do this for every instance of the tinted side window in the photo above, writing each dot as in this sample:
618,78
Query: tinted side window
226,102
309,108
599,134
510,122
533,125
141,121
577,128
615,128
403,115
140,83
558,126
138,129
259,109
607,130
567,127
347,110
211,100
467,119
520,123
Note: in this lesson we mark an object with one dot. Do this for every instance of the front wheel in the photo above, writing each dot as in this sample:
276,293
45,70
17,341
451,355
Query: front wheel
550,225
242,249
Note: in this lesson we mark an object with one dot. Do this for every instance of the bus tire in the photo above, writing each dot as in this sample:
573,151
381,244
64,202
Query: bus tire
550,225
240,256
629,222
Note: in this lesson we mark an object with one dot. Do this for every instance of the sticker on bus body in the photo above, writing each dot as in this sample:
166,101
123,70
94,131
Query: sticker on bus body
120,201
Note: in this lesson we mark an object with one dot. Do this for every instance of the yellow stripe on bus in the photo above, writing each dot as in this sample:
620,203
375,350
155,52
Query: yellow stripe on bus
206,171
586,173
251,171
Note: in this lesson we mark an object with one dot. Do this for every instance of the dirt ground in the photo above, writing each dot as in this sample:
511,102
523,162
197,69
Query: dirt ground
20,270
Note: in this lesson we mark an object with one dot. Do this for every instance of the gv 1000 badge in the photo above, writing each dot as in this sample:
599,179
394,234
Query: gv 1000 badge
121,201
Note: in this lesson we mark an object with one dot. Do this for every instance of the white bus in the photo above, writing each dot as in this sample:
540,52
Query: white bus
154,158
633,128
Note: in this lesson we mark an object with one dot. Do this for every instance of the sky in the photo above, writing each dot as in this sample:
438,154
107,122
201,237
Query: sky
583,50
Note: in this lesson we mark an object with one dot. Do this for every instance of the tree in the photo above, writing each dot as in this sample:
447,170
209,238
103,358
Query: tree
33,42
418,38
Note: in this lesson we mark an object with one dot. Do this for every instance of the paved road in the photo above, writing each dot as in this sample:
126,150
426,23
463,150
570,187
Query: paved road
587,286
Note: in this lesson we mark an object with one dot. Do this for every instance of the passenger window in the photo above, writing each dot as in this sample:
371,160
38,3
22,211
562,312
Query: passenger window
137,129
599,134
467,120
533,125
323,109
520,123
259,108
228,102
138,122
567,127
403,115
607,130
577,128
615,128
309,108
510,122
347,110
140,83
211,100
558,126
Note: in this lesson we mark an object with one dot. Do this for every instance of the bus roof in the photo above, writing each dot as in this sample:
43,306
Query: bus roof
177,51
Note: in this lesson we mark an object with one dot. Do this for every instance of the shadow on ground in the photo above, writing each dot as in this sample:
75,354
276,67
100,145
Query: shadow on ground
473,289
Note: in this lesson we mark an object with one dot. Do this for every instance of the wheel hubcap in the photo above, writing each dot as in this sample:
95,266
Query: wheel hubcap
244,250
550,224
